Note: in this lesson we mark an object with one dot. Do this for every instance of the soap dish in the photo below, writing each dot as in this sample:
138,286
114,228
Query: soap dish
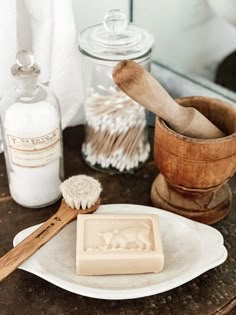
187,255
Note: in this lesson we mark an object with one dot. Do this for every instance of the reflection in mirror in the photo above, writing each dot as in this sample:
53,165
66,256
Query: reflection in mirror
197,38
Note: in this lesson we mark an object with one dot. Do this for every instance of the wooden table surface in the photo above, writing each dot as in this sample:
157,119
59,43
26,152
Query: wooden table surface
23,293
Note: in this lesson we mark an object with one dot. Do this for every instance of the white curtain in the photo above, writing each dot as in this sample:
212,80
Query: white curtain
47,28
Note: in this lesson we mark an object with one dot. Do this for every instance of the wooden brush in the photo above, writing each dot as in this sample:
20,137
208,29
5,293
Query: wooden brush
138,84
81,195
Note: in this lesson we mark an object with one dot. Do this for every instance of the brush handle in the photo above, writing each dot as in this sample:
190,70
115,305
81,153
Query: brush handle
16,256
142,87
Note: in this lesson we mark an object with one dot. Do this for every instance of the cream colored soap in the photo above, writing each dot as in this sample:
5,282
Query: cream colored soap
118,244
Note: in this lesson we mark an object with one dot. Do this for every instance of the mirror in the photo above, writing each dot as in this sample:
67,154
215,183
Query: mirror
194,39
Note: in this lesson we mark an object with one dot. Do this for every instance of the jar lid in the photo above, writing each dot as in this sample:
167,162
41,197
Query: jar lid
115,39
25,65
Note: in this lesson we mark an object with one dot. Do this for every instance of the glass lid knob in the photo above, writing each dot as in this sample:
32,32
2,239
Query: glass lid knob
25,59
115,21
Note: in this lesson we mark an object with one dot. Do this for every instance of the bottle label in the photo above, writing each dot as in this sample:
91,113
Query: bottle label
34,151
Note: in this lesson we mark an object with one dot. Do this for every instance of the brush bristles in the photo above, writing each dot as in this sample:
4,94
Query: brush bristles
81,191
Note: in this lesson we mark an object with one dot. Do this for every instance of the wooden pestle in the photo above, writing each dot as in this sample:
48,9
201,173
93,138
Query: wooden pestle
138,84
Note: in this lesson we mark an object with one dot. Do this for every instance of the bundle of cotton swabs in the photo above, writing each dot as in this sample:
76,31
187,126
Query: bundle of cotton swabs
116,135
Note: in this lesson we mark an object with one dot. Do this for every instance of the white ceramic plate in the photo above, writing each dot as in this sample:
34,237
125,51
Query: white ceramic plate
190,249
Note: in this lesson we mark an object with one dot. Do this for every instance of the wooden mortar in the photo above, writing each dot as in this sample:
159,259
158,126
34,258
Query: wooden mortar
194,172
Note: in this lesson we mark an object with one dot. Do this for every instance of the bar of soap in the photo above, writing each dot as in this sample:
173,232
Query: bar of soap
118,244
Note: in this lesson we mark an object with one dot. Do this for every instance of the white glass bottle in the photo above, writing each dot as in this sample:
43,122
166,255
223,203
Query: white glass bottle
32,137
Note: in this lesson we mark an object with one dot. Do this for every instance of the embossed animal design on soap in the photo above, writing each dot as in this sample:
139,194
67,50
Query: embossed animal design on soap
130,238
118,244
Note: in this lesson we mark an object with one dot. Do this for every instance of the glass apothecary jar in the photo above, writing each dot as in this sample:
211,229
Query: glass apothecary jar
116,131
32,137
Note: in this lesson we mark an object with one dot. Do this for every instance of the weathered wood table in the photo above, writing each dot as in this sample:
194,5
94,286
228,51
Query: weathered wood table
23,293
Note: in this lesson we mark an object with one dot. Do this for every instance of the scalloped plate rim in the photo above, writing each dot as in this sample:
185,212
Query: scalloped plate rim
148,290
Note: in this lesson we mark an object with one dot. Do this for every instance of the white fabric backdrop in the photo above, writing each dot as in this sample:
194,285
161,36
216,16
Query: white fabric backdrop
47,28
